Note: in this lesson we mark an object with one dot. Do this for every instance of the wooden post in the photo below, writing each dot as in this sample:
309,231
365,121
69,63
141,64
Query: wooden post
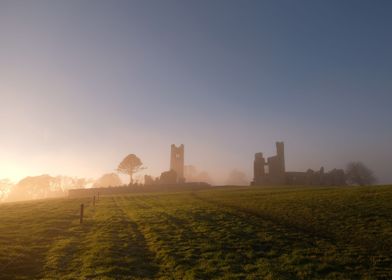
81,212
94,201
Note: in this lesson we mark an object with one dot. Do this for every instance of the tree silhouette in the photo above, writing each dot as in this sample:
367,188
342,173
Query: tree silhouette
129,166
358,173
5,188
107,180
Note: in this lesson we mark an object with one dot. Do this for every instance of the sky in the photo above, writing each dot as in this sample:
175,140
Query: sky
85,83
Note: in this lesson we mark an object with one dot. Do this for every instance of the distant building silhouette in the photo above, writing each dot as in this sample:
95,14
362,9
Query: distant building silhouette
168,177
177,162
273,172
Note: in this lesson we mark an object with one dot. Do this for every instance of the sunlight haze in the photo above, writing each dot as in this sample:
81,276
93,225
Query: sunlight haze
84,83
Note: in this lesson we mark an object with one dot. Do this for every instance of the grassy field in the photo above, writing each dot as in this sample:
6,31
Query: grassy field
229,233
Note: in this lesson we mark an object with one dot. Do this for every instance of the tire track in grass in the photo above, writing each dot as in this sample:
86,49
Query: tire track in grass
287,253
163,233
173,237
334,259
203,241
250,250
199,239
291,227
106,246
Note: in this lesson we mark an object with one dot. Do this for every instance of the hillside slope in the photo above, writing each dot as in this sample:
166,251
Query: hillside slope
247,233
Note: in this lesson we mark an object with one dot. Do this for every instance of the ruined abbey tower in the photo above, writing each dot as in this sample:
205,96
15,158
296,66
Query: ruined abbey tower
275,165
177,161
273,172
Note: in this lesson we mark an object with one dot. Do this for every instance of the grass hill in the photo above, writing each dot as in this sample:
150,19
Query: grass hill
230,233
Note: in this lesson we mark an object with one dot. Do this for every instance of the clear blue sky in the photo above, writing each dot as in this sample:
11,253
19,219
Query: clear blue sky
84,83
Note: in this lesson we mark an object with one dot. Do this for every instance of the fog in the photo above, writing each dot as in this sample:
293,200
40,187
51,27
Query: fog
84,84
47,186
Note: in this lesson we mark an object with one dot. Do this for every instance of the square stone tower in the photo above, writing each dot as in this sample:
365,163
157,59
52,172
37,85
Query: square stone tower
177,161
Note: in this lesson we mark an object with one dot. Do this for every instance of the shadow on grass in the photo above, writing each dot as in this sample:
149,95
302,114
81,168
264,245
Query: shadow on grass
108,245
129,255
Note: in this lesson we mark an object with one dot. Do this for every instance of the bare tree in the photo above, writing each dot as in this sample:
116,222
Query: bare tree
358,173
130,165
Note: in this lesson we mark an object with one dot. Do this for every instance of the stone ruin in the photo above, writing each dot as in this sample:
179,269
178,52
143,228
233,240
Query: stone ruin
273,172
175,175
177,162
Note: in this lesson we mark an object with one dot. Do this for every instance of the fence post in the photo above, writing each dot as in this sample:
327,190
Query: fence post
81,212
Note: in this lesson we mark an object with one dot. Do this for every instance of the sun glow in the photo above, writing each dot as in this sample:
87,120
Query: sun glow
13,172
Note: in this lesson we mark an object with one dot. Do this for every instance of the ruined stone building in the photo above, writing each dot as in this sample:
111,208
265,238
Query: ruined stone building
177,161
273,172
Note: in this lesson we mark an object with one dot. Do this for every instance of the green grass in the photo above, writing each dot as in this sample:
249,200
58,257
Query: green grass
226,233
